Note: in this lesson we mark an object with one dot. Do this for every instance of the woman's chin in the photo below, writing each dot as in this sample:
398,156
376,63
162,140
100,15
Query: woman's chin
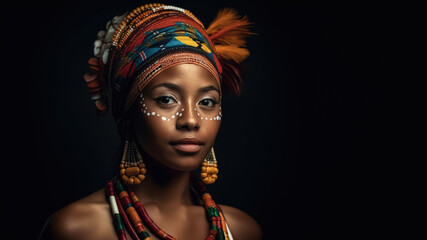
185,165
188,167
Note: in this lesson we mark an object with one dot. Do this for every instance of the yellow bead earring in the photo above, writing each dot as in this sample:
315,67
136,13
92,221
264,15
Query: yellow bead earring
132,168
209,170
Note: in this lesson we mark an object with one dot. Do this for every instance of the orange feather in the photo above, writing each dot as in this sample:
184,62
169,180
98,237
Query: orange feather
234,53
228,32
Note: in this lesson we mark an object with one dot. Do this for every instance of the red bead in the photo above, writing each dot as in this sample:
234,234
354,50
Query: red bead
210,237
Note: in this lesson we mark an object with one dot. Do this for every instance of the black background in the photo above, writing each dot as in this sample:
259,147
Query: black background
299,150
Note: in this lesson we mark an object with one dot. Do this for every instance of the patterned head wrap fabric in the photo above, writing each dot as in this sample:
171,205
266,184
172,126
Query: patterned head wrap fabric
139,45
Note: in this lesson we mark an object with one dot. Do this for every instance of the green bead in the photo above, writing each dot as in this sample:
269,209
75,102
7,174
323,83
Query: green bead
117,222
213,212
210,212
220,235
143,235
216,213
214,227
119,187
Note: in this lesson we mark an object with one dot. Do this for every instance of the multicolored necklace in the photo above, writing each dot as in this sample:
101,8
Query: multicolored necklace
127,212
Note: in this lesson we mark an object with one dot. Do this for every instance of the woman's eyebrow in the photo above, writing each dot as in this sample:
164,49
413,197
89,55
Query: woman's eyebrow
208,88
168,85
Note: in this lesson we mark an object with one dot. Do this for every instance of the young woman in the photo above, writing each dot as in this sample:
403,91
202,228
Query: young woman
163,74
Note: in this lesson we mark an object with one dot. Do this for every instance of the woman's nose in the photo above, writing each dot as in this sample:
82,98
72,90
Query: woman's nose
188,119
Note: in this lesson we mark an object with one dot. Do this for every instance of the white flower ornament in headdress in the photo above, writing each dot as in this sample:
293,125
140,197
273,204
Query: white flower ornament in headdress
103,43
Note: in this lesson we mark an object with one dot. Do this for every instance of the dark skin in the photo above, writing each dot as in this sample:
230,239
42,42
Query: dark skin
165,193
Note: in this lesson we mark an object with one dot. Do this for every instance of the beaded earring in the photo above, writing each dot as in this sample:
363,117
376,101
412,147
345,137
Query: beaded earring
132,168
209,171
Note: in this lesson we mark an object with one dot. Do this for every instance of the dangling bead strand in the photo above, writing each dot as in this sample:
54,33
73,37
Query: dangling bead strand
117,219
209,169
141,165
132,168
131,212
224,224
216,231
153,227
122,212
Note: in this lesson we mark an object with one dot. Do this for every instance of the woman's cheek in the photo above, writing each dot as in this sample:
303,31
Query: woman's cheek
211,129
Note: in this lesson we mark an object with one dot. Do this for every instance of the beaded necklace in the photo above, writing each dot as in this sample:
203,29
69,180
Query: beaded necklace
127,212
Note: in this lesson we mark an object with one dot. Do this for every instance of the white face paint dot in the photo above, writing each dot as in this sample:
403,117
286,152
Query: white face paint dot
195,109
148,114
158,115
168,119
198,114
145,111
163,118
211,119
201,117
173,116
180,114
153,113
182,109
143,105
143,98
206,118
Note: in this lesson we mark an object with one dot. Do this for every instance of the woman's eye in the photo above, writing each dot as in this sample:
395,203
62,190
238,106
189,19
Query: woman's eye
208,102
165,100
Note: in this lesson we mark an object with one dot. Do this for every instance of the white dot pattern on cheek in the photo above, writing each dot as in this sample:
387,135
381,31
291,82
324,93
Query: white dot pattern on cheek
216,118
178,114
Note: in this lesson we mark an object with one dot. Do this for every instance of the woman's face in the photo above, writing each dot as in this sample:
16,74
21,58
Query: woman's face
178,116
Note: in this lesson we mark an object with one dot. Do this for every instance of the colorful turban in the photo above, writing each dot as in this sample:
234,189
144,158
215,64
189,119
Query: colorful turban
139,45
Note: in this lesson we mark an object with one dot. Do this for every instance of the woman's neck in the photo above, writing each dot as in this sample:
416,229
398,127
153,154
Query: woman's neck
164,186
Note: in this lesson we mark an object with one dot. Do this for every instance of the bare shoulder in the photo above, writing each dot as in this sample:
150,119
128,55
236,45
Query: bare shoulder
241,224
87,218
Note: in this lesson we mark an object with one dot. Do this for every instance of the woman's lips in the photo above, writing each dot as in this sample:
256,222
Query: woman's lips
188,145
190,148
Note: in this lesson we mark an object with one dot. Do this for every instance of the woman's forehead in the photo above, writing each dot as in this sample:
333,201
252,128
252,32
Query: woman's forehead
185,76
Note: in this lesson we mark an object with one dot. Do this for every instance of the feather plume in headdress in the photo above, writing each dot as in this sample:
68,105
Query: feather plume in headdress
228,32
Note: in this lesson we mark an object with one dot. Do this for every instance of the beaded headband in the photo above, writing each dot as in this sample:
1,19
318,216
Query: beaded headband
139,45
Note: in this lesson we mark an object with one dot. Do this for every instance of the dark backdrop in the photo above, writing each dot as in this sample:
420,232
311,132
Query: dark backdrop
298,150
